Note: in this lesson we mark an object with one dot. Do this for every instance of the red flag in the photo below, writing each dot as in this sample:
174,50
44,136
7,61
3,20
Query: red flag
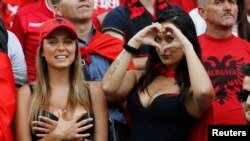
200,130
104,45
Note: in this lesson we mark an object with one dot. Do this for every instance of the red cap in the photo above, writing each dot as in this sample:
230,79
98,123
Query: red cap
55,23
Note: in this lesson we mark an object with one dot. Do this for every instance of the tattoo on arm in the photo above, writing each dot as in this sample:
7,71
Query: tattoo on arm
114,68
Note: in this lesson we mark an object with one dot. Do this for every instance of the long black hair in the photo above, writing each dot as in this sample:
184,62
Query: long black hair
182,20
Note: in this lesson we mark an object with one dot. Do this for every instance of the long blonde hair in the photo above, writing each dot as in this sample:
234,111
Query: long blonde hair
79,89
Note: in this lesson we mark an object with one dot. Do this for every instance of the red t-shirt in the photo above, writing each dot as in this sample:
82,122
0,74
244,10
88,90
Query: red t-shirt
27,26
10,8
7,97
18,2
222,59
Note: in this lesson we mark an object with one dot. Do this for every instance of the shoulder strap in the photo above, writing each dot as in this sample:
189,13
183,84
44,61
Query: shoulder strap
31,86
91,110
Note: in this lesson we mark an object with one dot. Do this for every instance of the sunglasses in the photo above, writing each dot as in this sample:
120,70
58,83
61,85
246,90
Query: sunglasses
242,95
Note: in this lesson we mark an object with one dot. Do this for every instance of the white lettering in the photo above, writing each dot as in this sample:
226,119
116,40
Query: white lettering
215,131
35,24
243,133
106,4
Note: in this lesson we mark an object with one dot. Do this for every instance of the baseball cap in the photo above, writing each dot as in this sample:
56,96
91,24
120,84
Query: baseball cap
55,23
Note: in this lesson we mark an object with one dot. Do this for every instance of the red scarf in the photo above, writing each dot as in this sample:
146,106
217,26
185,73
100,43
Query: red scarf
104,45
164,71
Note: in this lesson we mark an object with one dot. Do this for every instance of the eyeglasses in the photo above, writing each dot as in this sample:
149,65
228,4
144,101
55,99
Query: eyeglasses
242,95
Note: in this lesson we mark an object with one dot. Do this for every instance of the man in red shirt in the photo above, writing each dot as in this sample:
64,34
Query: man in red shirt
222,55
10,8
27,24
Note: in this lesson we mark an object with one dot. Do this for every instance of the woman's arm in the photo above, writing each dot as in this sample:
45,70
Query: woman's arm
100,109
202,94
117,82
22,129
201,86
65,129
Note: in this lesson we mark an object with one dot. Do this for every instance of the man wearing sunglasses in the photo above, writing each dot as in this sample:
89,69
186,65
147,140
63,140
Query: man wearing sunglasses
244,94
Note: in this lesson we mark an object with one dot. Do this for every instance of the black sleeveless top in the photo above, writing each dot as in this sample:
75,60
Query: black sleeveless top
166,119
53,117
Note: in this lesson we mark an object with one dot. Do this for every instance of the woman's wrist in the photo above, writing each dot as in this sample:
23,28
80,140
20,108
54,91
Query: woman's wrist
187,47
130,49
135,43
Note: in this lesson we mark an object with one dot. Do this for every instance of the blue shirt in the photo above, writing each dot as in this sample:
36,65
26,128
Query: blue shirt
99,65
97,68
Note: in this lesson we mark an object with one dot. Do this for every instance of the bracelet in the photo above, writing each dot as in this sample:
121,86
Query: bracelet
131,49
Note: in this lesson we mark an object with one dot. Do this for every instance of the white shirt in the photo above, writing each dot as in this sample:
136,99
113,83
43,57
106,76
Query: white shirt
199,22
15,53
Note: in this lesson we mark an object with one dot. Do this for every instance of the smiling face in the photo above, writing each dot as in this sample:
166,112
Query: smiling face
59,49
75,10
246,105
221,12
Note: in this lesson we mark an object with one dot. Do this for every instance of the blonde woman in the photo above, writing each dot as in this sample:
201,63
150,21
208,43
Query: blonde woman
59,105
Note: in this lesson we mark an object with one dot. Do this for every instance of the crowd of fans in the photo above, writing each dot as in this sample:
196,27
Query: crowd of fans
161,69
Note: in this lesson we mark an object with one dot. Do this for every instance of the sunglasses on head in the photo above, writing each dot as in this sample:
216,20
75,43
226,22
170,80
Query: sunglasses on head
242,95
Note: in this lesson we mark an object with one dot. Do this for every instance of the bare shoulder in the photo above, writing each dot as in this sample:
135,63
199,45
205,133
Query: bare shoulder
24,92
23,98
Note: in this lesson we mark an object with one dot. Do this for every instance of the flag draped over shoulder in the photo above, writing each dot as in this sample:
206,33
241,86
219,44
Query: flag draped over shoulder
104,45
200,130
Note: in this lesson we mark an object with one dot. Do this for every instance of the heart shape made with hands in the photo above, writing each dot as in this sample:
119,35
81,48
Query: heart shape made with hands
167,38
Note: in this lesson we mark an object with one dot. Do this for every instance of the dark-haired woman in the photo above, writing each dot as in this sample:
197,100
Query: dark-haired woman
173,91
